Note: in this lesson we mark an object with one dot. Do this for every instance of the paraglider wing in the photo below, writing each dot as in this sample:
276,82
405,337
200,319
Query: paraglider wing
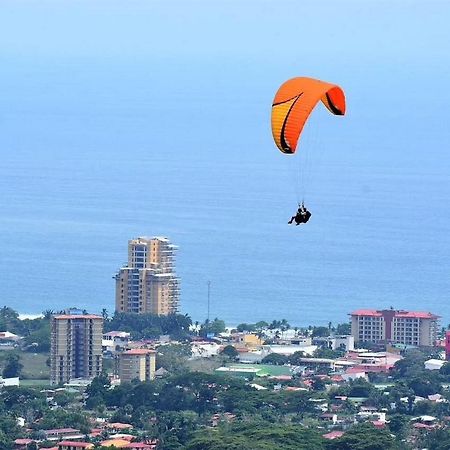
294,102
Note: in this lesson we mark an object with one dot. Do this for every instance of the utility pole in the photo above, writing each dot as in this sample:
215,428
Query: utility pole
209,298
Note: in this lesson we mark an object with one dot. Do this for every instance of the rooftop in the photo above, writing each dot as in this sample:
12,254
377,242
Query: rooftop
75,444
399,313
139,351
76,316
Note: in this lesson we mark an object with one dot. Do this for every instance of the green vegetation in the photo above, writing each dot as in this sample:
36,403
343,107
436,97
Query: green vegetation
259,435
147,326
194,407
365,437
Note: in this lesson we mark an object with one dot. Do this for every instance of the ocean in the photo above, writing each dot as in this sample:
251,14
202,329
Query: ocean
96,151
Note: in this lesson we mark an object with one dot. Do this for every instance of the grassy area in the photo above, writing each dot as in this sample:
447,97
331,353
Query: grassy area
207,365
33,383
34,364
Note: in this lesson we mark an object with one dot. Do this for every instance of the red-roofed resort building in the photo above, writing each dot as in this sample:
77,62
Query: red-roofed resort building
396,327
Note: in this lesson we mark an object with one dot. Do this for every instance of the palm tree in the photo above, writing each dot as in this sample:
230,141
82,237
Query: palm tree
47,314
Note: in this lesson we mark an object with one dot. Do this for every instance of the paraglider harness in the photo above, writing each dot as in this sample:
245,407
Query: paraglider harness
302,215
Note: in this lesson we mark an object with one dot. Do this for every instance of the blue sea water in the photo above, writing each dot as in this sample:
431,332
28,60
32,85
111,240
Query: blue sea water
98,147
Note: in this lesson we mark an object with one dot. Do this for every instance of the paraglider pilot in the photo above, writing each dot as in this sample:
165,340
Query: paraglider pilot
302,215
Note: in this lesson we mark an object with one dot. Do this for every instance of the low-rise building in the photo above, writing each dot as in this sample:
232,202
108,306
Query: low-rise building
6,382
137,364
205,349
115,341
247,339
346,343
434,364
74,445
63,433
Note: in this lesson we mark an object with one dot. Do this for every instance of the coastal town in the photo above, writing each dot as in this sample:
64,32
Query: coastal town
149,377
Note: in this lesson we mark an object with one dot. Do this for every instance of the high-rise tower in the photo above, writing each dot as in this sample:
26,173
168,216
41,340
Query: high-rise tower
148,283
76,346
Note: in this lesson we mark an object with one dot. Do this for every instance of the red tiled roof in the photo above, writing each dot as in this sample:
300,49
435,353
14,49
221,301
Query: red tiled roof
423,426
119,425
378,424
337,378
75,444
401,314
366,312
23,441
333,435
139,351
138,445
61,430
416,315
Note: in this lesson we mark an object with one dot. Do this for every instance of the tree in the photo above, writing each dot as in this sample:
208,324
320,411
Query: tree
230,352
323,352
445,369
412,365
105,314
398,424
261,325
364,437
320,332
343,329
246,327
426,384
296,358
13,366
437,440
318,384
275,359
215,327
39,341
257,435
8,319
173,357
360,388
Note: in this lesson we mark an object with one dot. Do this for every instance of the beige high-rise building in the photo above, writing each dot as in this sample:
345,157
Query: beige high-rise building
76,346
137,364
148,284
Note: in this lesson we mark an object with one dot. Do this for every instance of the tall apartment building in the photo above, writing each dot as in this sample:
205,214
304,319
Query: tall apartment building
76,346
148,283
137,364
396,327
447,345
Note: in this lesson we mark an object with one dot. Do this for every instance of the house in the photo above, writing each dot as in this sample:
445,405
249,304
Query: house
74,445
247,339
118,443
8,339
6,382
115,341
22,444
333,435
142,445
329,417
62,433
117,427
205,349
434,364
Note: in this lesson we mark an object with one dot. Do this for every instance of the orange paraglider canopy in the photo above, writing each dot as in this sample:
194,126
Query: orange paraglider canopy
294,102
